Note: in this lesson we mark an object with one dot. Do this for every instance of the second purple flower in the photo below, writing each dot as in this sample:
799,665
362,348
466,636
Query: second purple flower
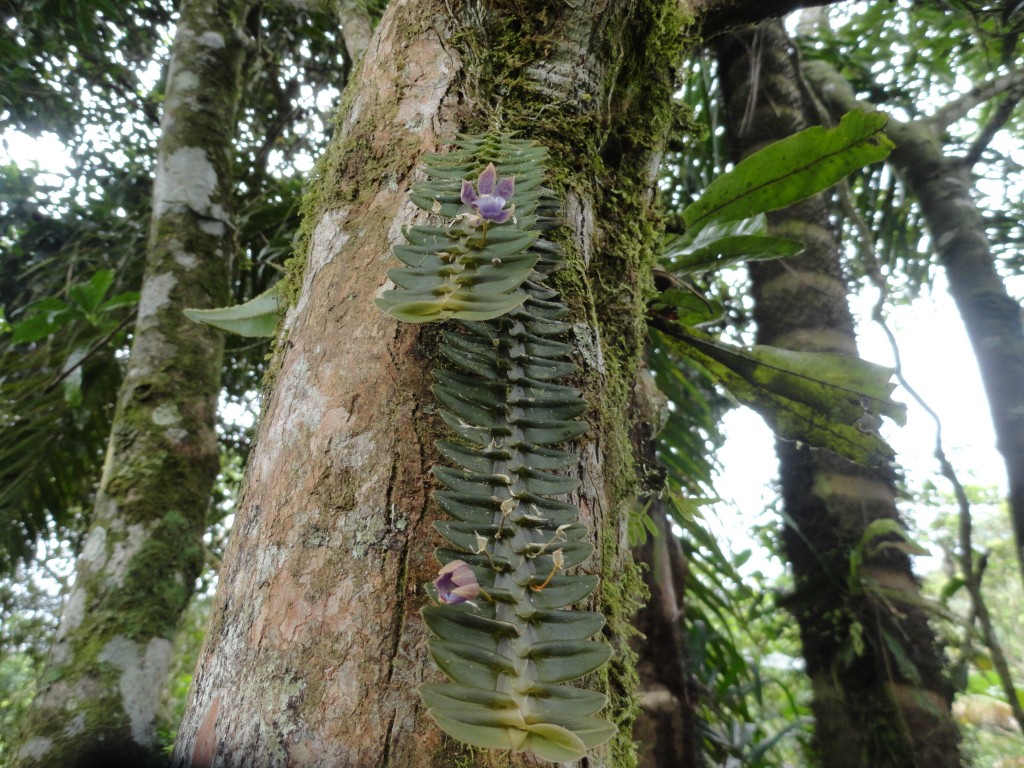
456,583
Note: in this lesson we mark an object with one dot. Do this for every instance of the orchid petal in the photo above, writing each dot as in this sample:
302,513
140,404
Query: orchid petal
485,184
456,583
468,193
504,215
506,188
490,207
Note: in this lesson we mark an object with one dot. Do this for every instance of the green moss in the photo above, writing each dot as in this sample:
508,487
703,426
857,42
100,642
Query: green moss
611,293
622,595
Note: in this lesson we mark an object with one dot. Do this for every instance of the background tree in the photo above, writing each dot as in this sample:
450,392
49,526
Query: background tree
879,693
941,180
144,551
64,359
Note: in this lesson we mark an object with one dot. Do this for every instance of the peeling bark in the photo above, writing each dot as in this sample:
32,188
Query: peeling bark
99,693
880,695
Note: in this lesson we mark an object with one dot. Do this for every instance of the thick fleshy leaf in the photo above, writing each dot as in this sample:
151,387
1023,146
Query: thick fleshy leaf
560,660
516,539
560,700
563,591
554,743
450,696
452,623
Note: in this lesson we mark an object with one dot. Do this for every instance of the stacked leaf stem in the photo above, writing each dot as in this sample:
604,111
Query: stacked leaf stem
509,651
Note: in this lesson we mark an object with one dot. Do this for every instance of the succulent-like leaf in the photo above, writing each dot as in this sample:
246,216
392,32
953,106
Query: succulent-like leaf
471,268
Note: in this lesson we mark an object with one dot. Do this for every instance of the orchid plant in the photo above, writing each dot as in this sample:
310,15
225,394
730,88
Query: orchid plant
502,629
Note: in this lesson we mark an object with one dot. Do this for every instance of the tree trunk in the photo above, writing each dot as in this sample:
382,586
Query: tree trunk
100,691
315,645
880,697
667,728
992,318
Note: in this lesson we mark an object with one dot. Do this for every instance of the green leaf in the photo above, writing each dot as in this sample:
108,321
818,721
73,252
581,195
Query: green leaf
451,696
826,400
557,744
256,317
451,622
89,295
126,299
564,590
724,244
951,587
487,737
37,327
468,664
689,306
557,700
558,660
566,625
908,669
792,169
890,527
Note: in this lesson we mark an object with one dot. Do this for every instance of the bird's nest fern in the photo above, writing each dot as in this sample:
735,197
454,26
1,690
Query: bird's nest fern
502,628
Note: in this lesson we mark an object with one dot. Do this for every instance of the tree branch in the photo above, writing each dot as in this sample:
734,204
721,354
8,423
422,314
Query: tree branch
718,16
1002,114
955,110
356,27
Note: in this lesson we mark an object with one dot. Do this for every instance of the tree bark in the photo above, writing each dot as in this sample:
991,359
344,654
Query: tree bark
880,696
100,692
667,728
992,318
316,645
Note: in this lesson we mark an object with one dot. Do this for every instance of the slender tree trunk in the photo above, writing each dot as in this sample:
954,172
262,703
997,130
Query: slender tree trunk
667,728
992,318
880,696
99,694
316,645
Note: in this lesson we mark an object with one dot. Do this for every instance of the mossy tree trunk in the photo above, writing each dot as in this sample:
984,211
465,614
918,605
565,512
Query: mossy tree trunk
880,696
137,569
315,645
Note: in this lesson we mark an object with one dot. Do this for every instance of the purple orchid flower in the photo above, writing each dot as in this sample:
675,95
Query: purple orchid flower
456,583
490,195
